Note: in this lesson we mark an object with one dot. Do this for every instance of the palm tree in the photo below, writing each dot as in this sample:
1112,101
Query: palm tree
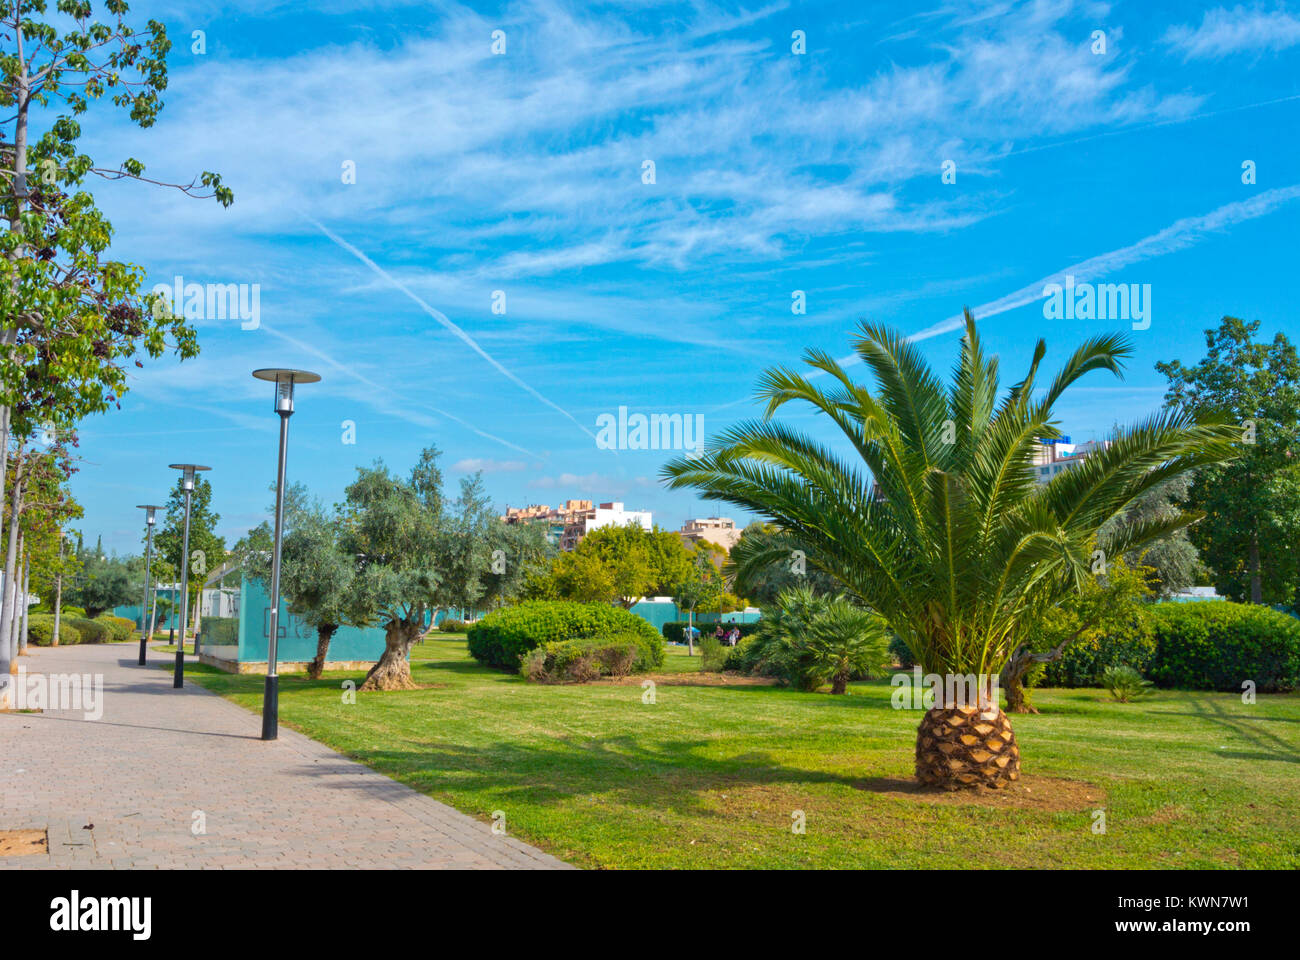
941,527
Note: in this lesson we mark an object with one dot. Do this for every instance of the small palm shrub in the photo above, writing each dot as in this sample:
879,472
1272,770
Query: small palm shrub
1125,684
807,641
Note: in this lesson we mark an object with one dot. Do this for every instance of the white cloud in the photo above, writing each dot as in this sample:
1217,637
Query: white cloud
488,465
1223,32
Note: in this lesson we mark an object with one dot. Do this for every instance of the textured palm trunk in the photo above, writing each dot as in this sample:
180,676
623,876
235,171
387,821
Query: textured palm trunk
840,682
961,747
323,636
393,671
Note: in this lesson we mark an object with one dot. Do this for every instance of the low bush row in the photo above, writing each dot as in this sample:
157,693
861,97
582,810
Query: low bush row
1203,645
504,637
104,629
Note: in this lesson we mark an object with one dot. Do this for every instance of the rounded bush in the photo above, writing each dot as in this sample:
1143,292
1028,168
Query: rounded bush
503,636
119,628
1216,645
40,630
92,631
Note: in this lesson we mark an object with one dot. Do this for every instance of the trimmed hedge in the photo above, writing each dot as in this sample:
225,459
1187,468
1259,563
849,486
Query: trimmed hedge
675,630
452,626
503,636
119,628
40,630
92,631
1217,644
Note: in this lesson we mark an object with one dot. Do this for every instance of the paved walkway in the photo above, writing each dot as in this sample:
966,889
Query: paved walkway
158,756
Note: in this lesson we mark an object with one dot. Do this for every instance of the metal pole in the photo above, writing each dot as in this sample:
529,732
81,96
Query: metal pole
178,675
271,696
144,609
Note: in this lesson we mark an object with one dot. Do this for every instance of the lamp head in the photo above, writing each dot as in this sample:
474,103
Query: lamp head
284,380
187,473
149,511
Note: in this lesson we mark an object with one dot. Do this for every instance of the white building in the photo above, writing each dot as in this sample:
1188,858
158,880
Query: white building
1053,456
603,515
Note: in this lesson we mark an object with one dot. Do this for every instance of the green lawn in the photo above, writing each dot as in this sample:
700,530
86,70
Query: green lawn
709,776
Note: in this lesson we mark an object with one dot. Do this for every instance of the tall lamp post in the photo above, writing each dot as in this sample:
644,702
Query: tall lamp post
187,484
284,381
149,520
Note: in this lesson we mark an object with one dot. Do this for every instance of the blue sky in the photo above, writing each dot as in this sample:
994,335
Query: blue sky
774,172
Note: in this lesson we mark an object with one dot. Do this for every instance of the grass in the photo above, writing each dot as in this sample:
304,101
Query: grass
710,776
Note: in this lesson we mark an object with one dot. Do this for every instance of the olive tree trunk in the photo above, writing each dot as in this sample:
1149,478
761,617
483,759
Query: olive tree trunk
323,635
393,671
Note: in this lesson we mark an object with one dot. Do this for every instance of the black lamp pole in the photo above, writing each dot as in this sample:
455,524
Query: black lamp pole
149,521
187,484
284,380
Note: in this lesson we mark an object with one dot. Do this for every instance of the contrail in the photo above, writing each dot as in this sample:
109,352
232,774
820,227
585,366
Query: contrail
405,401
444,320
1177,236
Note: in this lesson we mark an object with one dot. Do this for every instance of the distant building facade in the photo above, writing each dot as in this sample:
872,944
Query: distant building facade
1053,456
719,530
567,525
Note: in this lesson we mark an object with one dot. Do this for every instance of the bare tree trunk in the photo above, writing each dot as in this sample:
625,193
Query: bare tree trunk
1012,682
1256,585
393,671
10,598
58,602
323,635
27,583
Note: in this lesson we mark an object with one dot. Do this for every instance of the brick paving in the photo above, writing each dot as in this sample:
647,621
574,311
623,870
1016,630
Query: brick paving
157,756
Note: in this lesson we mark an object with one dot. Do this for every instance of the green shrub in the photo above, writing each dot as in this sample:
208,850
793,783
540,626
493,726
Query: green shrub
1125,684
1216,645
452,626
740,657
503,636
580,660
92,631
898,650
1130,641
713,655
40,630
119,628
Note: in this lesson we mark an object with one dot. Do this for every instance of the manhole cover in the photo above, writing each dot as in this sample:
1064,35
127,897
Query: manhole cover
18,843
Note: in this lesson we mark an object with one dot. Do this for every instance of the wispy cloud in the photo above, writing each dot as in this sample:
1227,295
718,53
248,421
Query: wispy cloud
1223,32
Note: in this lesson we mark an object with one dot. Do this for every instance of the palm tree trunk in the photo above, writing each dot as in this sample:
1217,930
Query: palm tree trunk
962,747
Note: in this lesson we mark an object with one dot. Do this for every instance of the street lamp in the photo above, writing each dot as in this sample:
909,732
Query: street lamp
284,381
187,484
149,520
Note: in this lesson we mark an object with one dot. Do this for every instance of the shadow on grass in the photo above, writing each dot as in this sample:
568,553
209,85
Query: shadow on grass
668,775
1271,746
